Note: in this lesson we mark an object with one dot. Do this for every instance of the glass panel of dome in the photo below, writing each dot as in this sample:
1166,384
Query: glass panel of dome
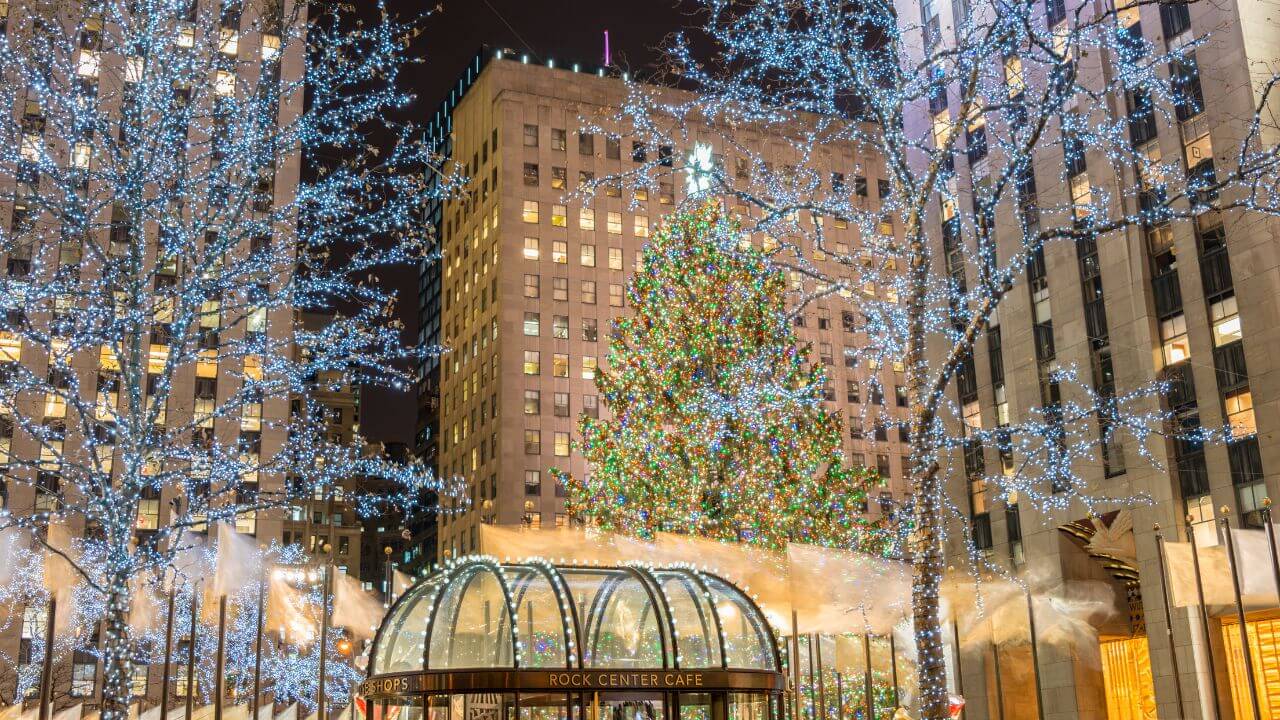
584,587
627,631
745,636
692,620
540,623
472,628
400,647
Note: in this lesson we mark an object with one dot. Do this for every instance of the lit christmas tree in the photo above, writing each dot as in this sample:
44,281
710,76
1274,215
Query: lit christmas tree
717,425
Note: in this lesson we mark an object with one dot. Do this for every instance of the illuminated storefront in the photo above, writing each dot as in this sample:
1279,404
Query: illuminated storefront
488,641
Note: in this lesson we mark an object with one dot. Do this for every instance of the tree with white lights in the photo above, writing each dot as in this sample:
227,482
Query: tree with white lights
997,139
160,242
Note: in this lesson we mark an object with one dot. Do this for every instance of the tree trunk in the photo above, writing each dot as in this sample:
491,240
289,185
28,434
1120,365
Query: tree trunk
117,655
926,488
929,566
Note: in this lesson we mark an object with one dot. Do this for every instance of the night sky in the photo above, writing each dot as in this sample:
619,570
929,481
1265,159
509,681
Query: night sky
566,30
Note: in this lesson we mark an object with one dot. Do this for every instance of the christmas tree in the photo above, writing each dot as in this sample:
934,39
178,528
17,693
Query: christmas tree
717,425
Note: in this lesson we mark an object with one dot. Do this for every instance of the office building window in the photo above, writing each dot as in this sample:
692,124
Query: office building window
614,220
560,404
531,249
1239,406
532,402
615,295
561,444
586,219
532,362
559,139
589,331
532,321
587,256
559,251
641,226
531,136
559,288
1226,321
559,216
615,258
586,144
589,367
532,442
560,365
612,148
1173,338
560,327
559,177
590,406
531,174
532,483
530,212
589,292
532,286
585,178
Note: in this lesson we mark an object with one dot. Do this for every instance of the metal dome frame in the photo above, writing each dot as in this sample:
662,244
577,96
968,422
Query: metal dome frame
580,635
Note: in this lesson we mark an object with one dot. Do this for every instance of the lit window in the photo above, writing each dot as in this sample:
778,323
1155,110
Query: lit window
561,442
559,251
559,176
615,258
589,367
615,223
1081,195
532,442
559,216
270,48
532,483
530,212
1173,336
186,36
229,42
531,323
89,65
560,365
531,136
560,289
587,256
532,362
133,70
224,83
615,295
641,226
532,402
560,327
587,219
532,286
1013,75
1226,321
1239,405
589,292
80,155
531,251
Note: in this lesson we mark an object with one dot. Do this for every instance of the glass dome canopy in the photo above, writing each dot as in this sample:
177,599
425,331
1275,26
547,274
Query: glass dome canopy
481,614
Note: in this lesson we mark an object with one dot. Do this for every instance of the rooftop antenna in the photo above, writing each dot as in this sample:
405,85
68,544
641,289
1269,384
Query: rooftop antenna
607,58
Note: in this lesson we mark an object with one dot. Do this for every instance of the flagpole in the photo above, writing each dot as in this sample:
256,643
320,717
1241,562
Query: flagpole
46,667
168,653
822,688
1204,618
257,649
893,667
795,667
390,594
219,669
995,656
191,653
1244,628
955,635
1035,652
1271,543
867,688
324,630
1168,617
